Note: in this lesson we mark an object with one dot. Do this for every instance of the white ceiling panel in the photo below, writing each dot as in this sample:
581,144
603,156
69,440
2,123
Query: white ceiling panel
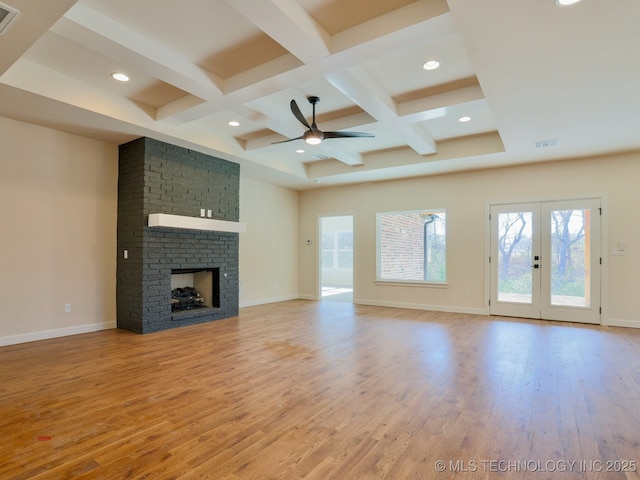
524,72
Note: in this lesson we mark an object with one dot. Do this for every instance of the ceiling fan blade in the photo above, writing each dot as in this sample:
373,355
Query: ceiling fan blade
347,134
285,141
298,114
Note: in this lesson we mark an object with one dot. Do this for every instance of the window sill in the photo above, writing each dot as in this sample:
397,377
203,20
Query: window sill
416,283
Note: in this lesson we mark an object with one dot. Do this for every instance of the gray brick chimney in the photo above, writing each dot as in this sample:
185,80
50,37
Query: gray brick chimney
156,177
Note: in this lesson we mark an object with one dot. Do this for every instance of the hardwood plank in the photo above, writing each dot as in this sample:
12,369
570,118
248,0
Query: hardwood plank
306,390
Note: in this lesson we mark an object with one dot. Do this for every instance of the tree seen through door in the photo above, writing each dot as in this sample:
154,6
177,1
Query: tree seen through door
569,257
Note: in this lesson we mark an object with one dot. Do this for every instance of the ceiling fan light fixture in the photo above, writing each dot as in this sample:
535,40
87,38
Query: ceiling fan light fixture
313,140
313,137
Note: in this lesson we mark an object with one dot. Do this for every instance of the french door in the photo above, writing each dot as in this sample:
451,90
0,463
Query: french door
545,260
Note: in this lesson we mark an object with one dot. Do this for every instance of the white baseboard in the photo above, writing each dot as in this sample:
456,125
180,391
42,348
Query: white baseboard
616,322
420,306
308,297
262,301
376,303
55,333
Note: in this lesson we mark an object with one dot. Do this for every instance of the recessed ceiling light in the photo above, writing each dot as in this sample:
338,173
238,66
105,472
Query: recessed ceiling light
233,123
464,119
564,3
121,77
431,65
299,151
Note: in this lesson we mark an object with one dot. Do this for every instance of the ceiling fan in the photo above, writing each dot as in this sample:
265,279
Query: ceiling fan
314,136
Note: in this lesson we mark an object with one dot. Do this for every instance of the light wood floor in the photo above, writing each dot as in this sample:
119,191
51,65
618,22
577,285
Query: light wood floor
326,390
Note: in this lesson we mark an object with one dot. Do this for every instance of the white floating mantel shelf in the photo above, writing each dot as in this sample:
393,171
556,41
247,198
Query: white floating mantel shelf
195,223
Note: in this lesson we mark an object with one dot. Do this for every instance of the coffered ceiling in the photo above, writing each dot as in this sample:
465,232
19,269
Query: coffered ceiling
538,81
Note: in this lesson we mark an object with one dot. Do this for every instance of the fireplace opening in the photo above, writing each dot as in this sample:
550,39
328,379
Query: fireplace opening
195,289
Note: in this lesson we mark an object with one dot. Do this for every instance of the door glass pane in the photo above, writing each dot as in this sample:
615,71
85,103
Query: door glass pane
570,257
515,276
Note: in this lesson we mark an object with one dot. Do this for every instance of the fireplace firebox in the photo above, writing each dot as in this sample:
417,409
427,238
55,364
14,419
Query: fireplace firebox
194,289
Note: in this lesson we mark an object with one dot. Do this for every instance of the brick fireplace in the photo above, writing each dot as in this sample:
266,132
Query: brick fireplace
156,177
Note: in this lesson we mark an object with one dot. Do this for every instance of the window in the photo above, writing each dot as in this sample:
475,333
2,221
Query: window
337,249
412,246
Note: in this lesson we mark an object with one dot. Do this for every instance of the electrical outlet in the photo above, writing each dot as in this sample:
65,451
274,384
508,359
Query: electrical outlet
209,213
67,308
202,214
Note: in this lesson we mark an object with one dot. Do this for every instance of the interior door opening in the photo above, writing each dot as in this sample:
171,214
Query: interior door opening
336,258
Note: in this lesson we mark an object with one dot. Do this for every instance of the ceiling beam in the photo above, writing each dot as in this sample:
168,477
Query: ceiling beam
102,34
364,91
456,150
288,24
414,23
344,154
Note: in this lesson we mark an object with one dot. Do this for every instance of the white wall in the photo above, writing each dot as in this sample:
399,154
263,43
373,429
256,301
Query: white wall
58,199
269,248
58,207
58,224
466,197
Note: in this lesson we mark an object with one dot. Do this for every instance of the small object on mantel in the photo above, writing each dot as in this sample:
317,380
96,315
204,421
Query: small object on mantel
195,223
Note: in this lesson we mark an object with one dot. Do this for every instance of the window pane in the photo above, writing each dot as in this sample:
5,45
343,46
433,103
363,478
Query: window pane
328,240
515,256
345,241
345,259
412,246
435,248
570,278
327,259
